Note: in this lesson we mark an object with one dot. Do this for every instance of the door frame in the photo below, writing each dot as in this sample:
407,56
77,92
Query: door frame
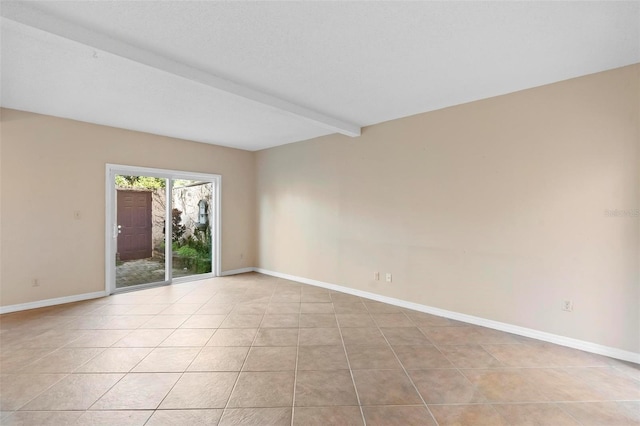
111,229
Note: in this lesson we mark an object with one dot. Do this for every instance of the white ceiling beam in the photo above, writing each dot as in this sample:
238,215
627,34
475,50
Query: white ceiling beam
34,18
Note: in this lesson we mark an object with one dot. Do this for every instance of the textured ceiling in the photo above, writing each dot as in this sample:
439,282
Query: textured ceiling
363,63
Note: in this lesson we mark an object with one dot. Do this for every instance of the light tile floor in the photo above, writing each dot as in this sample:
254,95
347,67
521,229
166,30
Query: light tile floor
253,349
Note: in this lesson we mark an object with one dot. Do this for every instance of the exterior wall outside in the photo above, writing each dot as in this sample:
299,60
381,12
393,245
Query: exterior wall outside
158,213
186,200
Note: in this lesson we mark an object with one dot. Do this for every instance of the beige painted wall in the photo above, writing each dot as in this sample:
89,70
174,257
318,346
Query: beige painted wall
493,208
51,167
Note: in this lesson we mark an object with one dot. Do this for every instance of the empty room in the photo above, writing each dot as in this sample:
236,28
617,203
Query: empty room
319,213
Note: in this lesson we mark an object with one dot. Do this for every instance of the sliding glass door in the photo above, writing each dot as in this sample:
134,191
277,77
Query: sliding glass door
162,226
191,217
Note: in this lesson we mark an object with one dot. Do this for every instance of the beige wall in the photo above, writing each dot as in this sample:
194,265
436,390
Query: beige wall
493,208
51,167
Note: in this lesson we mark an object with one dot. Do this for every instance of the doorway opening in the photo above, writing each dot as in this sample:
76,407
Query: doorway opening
162,226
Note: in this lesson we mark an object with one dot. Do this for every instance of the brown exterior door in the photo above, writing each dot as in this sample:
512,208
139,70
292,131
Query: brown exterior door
134,222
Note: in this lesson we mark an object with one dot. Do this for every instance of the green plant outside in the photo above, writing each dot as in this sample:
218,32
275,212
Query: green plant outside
142,182
186,251
194,251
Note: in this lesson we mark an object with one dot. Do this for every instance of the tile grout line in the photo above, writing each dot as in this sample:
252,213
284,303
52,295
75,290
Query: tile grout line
43,391
459,370
353,380
202,348
564,410
123,374
455,367
562,405
65,375
104,349
402,365
295,371
187,367
445,357
233,388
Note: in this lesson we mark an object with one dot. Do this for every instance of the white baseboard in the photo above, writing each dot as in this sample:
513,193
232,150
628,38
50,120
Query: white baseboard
496,325
237,271
50,302
86,296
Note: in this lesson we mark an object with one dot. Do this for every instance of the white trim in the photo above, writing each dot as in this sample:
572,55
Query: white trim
496,325
191,278
110,219
163,173
33,18
168,229
50,302
136,287
237,271
217,263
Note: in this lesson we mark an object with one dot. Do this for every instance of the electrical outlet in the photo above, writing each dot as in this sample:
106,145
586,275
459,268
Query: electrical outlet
388,277
376,276
76,214
567,305
35,283
241,256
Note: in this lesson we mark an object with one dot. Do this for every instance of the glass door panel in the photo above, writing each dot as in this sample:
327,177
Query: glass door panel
141,230
192,217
